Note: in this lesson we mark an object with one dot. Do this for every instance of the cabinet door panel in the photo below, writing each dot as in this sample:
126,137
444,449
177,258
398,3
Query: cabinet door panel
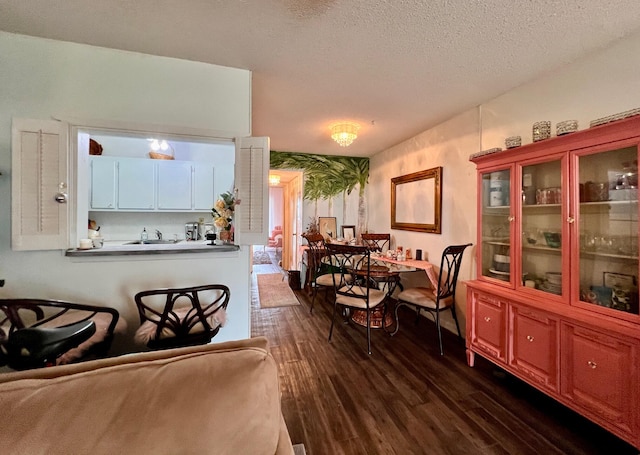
496,225
136,189
534,346
223,180
488,332
607,257
174,185
103,183
599,375
203,186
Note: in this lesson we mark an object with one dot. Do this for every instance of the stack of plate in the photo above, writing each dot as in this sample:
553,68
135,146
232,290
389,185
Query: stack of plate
553,283
501,267
504,276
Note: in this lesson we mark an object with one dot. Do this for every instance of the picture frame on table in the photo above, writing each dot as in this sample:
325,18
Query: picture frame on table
328,226
348,232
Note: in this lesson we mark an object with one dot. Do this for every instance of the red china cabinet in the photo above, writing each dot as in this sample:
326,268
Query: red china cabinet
555,301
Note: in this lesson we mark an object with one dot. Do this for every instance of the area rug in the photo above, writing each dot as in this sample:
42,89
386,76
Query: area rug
261,257
274,292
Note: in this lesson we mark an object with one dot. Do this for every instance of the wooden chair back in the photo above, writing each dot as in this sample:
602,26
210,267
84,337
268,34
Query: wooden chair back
181,316
377,242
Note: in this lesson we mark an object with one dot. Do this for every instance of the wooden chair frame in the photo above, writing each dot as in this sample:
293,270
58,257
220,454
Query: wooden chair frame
181,326
13,312
316,253
377,242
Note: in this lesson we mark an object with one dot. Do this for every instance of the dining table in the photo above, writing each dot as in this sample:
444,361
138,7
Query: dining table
387,272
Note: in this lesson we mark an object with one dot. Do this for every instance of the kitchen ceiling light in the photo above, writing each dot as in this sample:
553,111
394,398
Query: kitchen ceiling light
274,179
156,145
344,133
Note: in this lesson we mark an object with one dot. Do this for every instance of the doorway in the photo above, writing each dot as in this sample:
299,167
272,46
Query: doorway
285,210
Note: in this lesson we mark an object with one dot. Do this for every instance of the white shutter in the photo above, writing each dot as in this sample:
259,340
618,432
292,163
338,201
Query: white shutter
251,177
39,172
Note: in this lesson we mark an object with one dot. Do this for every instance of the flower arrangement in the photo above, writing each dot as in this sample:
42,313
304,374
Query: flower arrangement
312,227
223,210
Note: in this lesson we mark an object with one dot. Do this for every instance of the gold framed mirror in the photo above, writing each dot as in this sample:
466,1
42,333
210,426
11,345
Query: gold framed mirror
416,201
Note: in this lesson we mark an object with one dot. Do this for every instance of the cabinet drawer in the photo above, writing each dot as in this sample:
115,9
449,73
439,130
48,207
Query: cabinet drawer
599,374
488,325
534,345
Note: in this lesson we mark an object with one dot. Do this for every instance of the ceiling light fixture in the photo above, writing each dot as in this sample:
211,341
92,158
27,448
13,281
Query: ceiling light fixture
274,179
344,133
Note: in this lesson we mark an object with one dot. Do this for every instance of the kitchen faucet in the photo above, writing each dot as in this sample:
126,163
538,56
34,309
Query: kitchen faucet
159,234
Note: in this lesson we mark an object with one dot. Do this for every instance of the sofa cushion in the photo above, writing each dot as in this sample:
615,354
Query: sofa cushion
210,399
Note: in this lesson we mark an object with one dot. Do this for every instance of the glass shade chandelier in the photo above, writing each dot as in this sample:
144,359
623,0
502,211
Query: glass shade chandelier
344,133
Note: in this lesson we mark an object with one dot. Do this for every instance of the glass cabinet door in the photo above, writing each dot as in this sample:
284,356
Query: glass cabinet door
541,242
608,229
496,225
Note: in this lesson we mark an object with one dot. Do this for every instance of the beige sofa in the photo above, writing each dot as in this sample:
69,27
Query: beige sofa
214,399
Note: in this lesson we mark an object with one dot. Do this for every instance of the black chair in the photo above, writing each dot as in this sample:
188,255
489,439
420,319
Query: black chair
35,333
320,273
443,298
377,242
353,283
171,318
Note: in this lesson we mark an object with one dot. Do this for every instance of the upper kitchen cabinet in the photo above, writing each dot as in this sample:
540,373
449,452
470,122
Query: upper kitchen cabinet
136,184
102,194
125,178
174,185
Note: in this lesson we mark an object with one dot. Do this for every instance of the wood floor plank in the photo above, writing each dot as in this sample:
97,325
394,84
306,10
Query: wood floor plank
405,398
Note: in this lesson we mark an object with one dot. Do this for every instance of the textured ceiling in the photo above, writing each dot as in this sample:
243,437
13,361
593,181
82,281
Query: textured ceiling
397,67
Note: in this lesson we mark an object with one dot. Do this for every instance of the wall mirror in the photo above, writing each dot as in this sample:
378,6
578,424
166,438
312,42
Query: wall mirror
416,201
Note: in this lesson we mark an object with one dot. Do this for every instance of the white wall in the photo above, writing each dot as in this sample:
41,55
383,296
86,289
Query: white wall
602,84
335,209
41,79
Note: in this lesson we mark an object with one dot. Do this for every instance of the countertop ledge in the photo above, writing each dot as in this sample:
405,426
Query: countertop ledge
118,249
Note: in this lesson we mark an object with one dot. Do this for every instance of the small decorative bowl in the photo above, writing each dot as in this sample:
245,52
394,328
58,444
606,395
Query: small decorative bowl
566,127
513,141
541,130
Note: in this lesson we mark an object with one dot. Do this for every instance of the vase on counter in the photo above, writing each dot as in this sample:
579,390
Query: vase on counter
225,236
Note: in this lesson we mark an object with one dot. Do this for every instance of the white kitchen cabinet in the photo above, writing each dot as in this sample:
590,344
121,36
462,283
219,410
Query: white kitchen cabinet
119,183
203,186
223,179
174,185
102,193
136,184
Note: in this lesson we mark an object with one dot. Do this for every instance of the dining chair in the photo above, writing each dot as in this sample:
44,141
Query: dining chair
353,283
377,242
321,276
436,300
178,317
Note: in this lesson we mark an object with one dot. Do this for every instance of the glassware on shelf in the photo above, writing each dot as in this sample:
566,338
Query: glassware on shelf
608,260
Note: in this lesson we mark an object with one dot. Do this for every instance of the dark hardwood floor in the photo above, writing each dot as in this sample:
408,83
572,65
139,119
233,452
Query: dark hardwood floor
405,398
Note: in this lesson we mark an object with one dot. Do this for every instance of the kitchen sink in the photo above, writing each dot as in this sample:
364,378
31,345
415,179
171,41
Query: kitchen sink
153,242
